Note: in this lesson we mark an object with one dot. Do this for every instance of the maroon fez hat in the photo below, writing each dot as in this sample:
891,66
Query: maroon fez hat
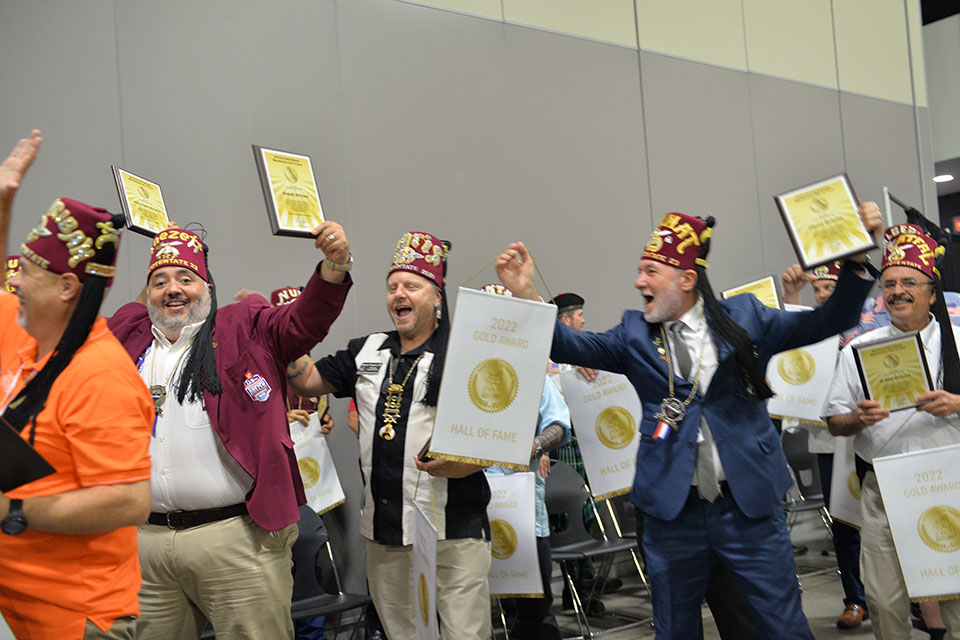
283,296
829,271
178,248
67,238
677,240
420,253
907,245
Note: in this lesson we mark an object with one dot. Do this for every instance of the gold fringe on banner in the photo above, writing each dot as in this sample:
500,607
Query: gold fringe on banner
815,423
953,596
479,461
516,595
612,494
333,506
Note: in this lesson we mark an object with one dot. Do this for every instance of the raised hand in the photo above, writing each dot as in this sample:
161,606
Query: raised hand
15,167
515,270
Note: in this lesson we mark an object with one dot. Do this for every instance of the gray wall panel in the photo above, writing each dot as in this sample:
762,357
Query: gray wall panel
930,206
581,180
880,145
796,134
427,139
701,158
60,75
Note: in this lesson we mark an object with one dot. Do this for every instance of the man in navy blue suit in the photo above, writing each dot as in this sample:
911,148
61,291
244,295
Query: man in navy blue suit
710,470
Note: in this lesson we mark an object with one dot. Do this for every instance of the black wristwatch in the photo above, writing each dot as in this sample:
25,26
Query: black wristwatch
14,524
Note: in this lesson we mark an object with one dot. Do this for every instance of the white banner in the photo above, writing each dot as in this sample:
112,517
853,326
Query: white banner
514,566
493,379
424,575
844,484
320,480
921,495
801,378
605,414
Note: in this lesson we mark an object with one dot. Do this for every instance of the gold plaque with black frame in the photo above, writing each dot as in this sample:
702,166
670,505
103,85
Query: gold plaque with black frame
290,191
893,371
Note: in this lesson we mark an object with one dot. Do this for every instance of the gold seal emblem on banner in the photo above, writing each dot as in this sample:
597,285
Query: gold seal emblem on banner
493,385
796,367
503,543
939,528
423,599
309,471
853,485
615,427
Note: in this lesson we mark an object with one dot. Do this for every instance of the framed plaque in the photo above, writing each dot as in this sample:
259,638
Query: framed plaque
20,463
765,289
893,371
142,203
290,191
823,223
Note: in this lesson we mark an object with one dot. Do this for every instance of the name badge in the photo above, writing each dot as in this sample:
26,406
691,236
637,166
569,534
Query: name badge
370,368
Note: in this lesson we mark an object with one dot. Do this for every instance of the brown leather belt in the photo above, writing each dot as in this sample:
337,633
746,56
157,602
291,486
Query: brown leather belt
187,519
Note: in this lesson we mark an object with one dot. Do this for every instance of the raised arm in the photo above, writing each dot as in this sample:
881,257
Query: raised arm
305,380
12,171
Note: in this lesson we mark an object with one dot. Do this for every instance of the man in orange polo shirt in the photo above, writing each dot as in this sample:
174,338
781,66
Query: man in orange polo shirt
68,548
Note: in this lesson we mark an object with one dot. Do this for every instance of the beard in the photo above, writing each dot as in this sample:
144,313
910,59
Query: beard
196,311
667,305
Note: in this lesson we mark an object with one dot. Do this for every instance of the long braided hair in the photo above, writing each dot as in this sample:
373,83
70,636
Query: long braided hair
440,337
751,381
32,398
199,372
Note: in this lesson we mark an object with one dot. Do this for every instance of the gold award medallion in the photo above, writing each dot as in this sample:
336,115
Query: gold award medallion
423,600
796,367
853,485
615,427
504,539
939,528
493,385
309,471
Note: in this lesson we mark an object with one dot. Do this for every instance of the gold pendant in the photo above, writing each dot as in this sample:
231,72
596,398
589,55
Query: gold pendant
159,395
386,432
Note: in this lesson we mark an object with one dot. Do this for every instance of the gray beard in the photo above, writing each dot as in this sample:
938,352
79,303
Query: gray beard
197,312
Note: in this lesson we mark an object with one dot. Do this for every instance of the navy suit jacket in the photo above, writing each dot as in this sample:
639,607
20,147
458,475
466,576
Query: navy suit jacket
746,439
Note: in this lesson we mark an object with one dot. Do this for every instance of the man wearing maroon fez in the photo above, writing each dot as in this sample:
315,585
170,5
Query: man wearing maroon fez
226,487
395,379
68,547
913,297
710,472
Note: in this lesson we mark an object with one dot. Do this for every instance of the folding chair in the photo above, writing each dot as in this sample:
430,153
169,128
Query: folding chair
806,494
567,493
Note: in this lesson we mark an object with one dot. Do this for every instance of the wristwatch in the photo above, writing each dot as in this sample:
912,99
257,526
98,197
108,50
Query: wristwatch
14,524
336,266
538,449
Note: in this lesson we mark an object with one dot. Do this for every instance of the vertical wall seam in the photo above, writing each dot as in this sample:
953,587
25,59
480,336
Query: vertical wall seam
512,126
753,136
643,116
123,157
916,113
836,66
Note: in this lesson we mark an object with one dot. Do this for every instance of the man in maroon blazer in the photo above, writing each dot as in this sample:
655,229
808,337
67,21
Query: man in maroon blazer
225,483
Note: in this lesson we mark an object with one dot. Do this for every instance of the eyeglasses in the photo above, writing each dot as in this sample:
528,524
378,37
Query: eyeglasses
907,284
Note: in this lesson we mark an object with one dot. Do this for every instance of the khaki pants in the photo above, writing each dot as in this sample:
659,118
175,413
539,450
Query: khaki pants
233,573
124,628
887,599
463,590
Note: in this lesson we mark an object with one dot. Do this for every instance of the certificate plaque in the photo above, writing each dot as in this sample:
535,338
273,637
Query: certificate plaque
823,222
142,203
290,190
765,289
893,372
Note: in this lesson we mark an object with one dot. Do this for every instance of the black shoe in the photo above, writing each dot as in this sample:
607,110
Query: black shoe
377,635
799,549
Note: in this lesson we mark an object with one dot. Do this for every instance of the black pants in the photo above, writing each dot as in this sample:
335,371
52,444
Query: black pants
534,616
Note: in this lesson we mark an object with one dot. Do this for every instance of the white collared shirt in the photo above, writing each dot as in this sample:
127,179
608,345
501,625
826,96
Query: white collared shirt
703,356
191,467
907,429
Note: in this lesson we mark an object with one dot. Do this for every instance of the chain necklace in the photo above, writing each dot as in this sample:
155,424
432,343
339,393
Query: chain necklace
391,405
672,409
159,392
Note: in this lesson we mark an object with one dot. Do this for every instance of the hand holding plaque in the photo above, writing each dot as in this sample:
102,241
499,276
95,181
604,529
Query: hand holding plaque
824,221
894,372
